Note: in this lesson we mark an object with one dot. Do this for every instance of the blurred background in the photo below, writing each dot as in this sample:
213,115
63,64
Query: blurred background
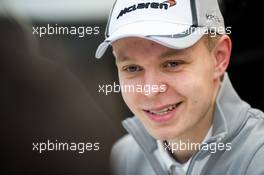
49,84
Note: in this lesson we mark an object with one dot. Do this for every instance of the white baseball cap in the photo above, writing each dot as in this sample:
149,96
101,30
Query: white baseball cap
176,24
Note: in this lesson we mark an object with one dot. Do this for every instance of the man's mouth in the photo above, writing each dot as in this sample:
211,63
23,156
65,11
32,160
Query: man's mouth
163,111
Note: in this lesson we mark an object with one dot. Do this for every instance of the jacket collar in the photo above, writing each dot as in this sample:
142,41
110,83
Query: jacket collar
230,112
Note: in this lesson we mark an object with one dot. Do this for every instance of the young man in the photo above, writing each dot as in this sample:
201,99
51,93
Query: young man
192,121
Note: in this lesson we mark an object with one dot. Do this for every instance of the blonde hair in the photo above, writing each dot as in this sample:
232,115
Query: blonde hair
210,41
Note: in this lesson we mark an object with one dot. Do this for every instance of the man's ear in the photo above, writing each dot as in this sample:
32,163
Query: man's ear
222,53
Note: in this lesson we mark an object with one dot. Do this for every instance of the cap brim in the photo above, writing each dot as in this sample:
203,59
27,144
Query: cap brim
171,35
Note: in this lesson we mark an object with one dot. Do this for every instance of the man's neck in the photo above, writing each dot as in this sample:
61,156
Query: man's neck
186,147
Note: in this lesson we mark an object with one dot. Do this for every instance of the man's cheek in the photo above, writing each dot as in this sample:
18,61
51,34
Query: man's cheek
131,99
187,85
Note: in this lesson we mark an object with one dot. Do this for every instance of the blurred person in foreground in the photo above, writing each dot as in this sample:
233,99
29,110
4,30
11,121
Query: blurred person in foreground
192,121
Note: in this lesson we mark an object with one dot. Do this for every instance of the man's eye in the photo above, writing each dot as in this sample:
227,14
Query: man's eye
171,64
132,69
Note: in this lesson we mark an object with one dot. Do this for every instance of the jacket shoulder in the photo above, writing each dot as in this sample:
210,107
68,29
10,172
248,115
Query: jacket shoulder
255,166
256,113
128,159
256,163
123,143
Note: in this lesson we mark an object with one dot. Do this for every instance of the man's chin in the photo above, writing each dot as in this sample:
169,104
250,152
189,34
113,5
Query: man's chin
160,132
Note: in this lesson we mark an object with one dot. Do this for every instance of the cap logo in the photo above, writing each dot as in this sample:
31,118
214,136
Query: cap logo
171,2
153,5
212,17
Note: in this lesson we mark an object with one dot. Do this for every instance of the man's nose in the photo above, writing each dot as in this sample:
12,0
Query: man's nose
154,84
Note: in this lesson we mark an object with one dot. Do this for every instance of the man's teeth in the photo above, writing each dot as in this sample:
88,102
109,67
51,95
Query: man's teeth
165,110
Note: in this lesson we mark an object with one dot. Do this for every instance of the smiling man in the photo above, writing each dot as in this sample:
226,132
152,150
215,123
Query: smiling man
192,122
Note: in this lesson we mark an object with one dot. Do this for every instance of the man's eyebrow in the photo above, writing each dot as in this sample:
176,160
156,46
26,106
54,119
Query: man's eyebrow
120,58
173,52
169,53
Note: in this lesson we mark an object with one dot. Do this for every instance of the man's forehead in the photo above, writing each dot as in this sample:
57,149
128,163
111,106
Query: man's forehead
136,42
123,49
